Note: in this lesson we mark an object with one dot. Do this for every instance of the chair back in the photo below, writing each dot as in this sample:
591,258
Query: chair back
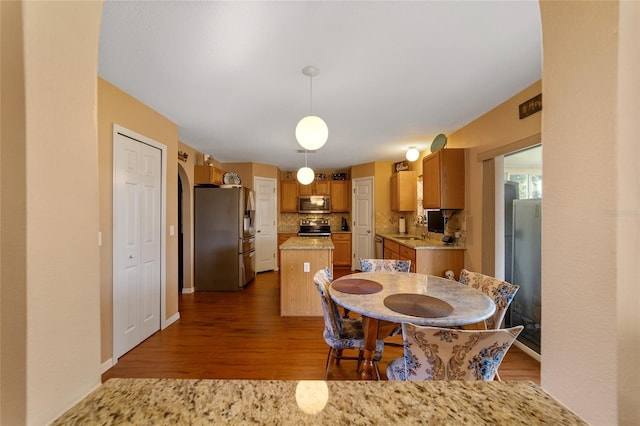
332,320
432,353
501,292
385,265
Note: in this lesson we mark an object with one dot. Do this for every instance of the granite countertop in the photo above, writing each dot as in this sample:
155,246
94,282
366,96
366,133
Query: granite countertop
203,402
307,243
417,243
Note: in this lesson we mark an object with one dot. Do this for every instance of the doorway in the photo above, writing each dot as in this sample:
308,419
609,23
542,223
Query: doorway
522,178
363,221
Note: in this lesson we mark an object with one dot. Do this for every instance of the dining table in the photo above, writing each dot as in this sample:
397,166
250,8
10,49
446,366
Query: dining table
397,297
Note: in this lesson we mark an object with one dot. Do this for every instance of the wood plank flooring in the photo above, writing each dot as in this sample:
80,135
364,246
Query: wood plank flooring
241,335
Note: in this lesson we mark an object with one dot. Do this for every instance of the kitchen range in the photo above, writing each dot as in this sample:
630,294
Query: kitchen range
314,227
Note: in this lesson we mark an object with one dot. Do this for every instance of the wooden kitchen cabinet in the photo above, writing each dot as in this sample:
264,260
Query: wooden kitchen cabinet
404,187
317,187
391,249
407,253
204,175
341,248
289,196
340,195
438,261
443,179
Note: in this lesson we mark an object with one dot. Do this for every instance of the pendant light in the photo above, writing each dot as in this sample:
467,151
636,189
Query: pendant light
311,132
412,153
305,174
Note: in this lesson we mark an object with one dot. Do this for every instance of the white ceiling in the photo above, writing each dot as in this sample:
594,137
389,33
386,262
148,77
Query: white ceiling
392,73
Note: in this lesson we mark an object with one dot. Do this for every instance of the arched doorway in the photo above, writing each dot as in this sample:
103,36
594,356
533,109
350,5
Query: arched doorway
185,232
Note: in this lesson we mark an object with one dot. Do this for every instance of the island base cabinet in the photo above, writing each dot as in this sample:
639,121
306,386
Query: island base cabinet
437,262
298,293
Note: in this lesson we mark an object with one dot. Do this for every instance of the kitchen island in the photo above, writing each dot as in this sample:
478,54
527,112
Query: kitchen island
300,259
189,402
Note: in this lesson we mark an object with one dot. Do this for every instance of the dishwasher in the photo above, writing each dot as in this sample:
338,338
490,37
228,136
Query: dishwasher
379,248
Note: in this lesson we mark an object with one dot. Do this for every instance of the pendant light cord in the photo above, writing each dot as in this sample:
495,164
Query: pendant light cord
310,95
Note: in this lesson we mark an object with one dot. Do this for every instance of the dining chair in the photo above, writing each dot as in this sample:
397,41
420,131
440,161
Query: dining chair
341,333
501,292
432,353
385,265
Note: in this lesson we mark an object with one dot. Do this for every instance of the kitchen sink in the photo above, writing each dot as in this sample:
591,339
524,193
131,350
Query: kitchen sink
407,238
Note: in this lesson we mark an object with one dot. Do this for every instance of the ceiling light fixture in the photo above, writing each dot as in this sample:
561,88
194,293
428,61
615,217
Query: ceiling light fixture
311,132
412,153
305,174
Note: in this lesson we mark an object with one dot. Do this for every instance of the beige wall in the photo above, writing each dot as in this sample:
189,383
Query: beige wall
247,171
628,200
590,161
117,107
498,127
50,262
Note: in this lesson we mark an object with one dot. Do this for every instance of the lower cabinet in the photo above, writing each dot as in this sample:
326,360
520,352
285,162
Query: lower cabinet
432,261
391,250
438,261
341,249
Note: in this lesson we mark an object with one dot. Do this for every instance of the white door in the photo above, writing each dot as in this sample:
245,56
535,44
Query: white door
266,229
363,221
137,245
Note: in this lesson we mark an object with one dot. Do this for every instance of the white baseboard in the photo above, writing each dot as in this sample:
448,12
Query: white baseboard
106,365
188,290
526,349
170,320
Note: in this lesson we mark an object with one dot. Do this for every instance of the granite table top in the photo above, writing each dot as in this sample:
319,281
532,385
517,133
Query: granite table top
469,304
307,243
241,402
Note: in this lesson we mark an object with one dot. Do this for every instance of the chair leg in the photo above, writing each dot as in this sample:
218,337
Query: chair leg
328,364
497,377
338,356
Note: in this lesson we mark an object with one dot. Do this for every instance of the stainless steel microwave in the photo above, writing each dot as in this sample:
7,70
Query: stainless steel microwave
314,204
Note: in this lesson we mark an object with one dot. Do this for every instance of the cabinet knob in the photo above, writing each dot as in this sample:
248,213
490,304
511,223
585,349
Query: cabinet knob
368,231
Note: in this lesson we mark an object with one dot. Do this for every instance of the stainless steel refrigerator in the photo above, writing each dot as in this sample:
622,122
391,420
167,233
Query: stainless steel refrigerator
526,270
224,236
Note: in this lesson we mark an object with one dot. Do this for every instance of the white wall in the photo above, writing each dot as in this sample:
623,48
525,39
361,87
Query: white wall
585,268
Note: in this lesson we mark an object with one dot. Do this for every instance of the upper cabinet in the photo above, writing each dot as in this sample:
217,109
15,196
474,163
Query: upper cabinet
340,195
404,188
317,187
289,196
207,175
443,179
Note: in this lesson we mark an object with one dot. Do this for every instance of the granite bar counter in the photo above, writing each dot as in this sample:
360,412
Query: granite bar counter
205,402
418,243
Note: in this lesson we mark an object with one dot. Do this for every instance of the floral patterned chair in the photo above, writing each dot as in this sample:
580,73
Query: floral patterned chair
384,265
432,353
341,333
501,292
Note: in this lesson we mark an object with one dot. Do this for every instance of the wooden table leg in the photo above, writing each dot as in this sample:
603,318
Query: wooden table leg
370,326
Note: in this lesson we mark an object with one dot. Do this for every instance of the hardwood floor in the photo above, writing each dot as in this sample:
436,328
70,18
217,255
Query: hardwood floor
241,335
